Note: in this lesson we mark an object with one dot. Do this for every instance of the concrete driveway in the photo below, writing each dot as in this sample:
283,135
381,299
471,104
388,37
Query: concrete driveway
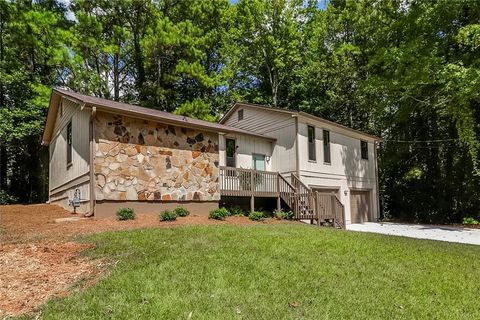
450,234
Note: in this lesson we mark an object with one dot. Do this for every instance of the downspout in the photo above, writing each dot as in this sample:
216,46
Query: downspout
92,165
376,179
297,148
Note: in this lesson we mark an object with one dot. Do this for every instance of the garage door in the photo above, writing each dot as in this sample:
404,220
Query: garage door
360,206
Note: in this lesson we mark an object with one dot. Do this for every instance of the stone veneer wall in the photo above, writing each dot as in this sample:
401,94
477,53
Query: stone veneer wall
144,160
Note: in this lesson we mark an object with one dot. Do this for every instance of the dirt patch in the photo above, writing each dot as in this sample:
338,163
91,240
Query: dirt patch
38,259
30,274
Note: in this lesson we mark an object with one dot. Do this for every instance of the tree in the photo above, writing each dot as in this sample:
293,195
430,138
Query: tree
32,57
265,49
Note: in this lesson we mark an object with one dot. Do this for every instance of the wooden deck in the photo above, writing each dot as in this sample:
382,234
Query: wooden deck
304,203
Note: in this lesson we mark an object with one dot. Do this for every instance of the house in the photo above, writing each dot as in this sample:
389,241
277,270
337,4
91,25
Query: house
105,155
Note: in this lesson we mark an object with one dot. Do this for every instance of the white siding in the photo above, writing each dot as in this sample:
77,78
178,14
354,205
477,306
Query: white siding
247,145
273,124
61,175
346,170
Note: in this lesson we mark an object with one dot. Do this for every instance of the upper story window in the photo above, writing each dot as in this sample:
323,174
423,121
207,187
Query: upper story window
326,146
364,149
69,143
311,144
240,114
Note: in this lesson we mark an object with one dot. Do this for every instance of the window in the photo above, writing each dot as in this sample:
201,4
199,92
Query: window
364,149
69,143
326,146
258,162
311,144
230,151
240,114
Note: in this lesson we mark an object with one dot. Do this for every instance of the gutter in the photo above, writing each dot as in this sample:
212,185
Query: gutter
377,185
92,164
297,148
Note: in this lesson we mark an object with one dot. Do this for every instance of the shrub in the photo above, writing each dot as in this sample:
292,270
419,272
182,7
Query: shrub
125,214
219,214
181,212
237,211
257,216
168,215
470,221
282,215
5,198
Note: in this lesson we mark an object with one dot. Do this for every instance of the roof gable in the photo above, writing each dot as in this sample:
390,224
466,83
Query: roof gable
298,114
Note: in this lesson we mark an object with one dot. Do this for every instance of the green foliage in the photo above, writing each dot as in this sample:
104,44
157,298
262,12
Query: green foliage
219,214
5,198
257,216
125,214
181,212
168,215
237,211
409,72
274,260
470,221
282,215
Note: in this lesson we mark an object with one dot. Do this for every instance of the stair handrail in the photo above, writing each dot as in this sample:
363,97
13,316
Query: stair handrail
303,191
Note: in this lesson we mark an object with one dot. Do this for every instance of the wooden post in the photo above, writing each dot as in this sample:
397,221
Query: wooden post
317,208
279,204
252,190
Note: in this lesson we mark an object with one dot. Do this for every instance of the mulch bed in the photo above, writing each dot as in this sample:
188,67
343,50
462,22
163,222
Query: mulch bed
38,259
30,274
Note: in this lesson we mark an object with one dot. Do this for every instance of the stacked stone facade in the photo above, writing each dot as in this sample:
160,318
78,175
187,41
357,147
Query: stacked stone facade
147,161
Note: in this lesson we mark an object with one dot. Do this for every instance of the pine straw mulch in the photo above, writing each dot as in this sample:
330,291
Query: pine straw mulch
39,260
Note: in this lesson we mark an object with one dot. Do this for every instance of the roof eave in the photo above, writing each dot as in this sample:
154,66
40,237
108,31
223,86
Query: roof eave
49,123
357,132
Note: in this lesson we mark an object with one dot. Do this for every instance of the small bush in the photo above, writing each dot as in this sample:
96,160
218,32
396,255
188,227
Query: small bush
168,215
257,216
181,212
5,198
125,214
219,214
282,215
237,211
470,221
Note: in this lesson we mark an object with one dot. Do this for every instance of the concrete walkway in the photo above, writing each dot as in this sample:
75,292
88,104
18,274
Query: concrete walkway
450,234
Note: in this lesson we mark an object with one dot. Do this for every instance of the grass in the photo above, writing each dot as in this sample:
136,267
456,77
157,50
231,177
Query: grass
285,271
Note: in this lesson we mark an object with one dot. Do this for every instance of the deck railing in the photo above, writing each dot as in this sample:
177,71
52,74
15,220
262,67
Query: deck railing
304,203
304,200
329,208
247,182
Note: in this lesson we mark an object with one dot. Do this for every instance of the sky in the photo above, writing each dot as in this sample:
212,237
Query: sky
322,5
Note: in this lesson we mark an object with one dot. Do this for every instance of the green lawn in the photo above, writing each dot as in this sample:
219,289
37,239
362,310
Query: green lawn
285,271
